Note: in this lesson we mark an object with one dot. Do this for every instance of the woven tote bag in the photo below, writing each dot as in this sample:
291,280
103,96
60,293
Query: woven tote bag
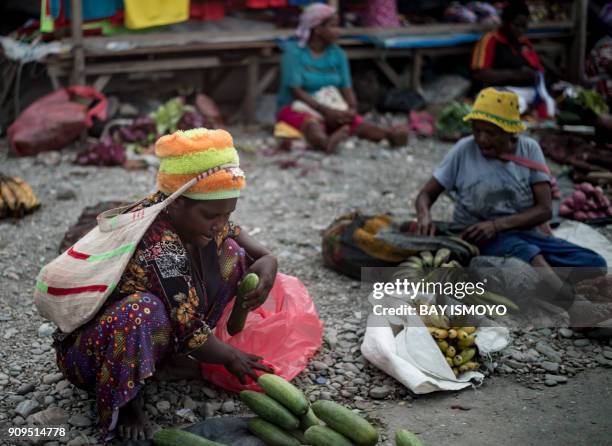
72,288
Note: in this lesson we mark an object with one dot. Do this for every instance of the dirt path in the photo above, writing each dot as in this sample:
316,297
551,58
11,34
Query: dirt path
290,198
505,413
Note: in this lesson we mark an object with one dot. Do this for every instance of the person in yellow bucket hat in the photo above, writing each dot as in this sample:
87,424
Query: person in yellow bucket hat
160,318
501,186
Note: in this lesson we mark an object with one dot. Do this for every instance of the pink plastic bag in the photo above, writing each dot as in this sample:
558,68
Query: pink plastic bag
286,331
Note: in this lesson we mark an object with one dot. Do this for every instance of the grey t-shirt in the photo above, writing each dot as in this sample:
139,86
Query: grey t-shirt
488,188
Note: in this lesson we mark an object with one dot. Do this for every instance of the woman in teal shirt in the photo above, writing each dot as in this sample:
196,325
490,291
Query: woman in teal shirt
309,68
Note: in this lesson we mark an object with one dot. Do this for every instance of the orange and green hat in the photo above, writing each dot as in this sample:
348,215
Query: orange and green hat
185,155
498,107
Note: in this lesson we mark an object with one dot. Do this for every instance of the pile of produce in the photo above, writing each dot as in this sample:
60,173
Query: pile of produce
450,124
286,418
16,197
578,106
588,202
457,344
439,268
138,136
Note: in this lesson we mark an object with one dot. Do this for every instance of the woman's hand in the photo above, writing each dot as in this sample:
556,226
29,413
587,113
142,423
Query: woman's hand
265,267
424,224
337,118
239,363
480,232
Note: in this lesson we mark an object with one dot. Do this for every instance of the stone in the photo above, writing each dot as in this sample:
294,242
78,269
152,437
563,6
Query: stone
27,407
52,378
325,396
49,400
548,351
551,367
514,364
210,393
150,408
381,392
45,330
566,333
63,384
319,365
557,378
550,383
208,409
320,380
52,416
15,398
331,337
163,406
228,406
187,414
188,403
24,389
81,440
18,421
10,332
65,193
49,159
582,342
79,421
603,361
607,354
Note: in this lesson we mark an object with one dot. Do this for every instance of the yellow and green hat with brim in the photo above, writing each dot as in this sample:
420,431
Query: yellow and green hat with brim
498,107
186,154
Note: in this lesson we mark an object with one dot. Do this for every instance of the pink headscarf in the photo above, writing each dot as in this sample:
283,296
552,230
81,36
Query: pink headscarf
312,17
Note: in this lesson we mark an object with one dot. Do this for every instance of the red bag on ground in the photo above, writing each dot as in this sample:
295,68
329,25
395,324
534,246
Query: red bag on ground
55,120
286,331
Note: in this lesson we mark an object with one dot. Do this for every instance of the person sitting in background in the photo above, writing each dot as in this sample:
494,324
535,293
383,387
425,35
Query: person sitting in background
502,194
506,57
316,98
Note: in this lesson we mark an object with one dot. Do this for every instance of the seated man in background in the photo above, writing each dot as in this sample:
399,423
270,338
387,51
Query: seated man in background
506,57
502,193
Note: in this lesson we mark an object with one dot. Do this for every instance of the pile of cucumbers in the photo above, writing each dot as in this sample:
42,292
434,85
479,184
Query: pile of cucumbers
286,418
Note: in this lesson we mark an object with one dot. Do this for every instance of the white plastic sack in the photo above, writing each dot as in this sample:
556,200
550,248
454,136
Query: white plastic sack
413,357
583,235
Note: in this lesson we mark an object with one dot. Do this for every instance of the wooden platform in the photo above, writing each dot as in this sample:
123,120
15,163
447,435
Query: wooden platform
94,60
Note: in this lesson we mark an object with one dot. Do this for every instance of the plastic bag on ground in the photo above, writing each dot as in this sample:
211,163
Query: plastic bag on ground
286,331
55,120
413,358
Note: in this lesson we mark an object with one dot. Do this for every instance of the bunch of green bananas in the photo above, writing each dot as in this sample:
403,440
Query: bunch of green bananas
457,344
16,197
439,268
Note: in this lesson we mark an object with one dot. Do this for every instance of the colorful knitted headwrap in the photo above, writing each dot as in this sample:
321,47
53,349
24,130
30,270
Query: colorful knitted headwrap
187,154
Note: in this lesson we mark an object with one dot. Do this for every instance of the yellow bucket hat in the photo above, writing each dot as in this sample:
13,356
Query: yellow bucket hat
497,107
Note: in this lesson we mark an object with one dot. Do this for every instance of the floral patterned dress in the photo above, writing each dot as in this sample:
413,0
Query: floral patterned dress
160,306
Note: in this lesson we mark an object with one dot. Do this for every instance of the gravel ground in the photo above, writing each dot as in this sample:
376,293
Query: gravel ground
289,199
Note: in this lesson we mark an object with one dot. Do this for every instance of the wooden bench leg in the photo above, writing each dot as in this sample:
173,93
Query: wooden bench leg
417,68
389,72
251,90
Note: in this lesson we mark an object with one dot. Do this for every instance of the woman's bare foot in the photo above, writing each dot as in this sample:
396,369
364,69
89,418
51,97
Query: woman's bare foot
336,138
584,313
133,423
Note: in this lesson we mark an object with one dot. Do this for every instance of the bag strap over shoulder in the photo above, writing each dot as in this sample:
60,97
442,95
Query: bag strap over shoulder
526,162
111,219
